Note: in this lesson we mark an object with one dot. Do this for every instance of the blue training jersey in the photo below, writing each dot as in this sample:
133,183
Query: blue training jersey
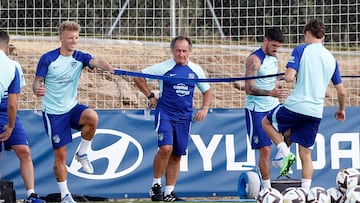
315,67
9,77
13,89
269,66
176,97
61,74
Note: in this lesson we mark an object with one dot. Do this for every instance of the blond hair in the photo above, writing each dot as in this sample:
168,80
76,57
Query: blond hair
68,26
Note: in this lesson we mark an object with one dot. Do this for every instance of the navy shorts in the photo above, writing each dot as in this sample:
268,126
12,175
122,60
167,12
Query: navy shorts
256,133
58,127
174,133
18,135
303,128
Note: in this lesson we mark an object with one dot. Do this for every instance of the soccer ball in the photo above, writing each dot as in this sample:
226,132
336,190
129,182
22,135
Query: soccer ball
269,195
347,178
335,195
317,195
302,191
352,195
292,195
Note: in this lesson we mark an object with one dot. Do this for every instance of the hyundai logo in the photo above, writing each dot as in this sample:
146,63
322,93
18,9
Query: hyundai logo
113,153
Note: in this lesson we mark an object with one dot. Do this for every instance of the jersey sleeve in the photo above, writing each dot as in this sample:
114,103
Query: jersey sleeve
159,68
45,61
84,58
294,61
14,87
203,86
336,78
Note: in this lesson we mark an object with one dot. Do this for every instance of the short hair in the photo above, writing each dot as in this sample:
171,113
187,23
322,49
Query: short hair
316,28
180,37
274,34
4,39
68,26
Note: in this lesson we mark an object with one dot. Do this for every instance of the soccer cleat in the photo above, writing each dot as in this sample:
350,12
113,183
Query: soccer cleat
287,162
83,159
172,197
277,163
34,198
155,193
68,199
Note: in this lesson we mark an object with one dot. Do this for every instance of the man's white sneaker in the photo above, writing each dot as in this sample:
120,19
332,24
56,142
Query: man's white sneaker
277,163
67,199
83,159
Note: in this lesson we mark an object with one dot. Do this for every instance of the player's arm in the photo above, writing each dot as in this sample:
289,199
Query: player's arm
141,84
11,111
202,113
290,74
341,93
102,64
12,106
252,66
38,86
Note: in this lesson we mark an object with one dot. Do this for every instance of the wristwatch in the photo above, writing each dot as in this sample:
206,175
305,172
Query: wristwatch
151,95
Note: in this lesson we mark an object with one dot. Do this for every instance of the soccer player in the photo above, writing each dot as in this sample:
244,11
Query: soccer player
173,113
18,142
56,80
262,96
9,90
313,67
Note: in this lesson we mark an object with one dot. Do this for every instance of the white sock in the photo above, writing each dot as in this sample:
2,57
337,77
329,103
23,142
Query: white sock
306,183
84,146
156,180
63,188
169,189
266,184
29,192
283,148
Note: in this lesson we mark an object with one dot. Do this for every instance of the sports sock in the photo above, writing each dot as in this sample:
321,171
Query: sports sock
266,184
29,192
84,146
283,148
169,189
156,180
306,183
63,188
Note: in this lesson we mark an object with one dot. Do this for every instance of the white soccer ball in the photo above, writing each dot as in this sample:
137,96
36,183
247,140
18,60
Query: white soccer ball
347,178
318,195
352,195
335,195
269,195
292,195
303,191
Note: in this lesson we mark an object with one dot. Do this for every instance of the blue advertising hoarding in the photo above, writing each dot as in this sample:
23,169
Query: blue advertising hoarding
125,143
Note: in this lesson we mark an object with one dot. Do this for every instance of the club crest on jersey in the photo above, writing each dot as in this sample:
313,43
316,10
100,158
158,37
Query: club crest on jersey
191,76
73,64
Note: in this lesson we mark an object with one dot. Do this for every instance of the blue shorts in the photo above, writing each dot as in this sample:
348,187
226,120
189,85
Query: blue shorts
303,128
256,133
18,136
175,133
58,127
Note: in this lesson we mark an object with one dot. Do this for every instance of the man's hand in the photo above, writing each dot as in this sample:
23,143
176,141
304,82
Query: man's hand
201,114
6,134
